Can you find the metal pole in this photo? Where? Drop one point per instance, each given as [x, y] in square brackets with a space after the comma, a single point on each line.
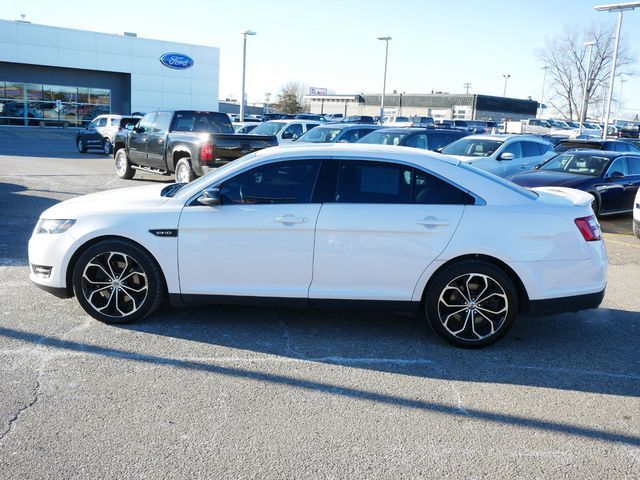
[613, 76]
[585, 104]
[244, 65]
[544, 81]
[619, 99]
[384, 82]
[506, 77]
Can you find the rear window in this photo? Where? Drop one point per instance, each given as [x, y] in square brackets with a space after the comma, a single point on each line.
[202, 122]
[564, 146]
[128, 121]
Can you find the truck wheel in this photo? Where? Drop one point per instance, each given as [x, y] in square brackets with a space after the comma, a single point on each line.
[184, 172]
[82, 147]
[123, 166]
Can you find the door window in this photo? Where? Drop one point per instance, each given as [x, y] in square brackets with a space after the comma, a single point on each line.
[531, 149]
[633, 164]
[418, 141]
[147, 121]
[282, 182]
[102, 122]
[515, 148]
[293, 131]
[163, 120]
[618, 165]
[373, 182]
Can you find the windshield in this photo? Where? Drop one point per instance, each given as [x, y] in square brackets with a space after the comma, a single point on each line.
[555, 124]
[268, 128]
[577, 163]
[201, 122]
[572, 145]
[320, 135]
[472, 147]
[506, 183]
[384, 138]
[573, 124]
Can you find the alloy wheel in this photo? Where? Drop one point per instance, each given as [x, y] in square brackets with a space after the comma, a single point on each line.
[473, 306]
[182, 174]
[114, 284]
[121, 162]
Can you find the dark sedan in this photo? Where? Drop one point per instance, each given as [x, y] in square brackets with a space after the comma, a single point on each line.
[611, 177]
[425, 138]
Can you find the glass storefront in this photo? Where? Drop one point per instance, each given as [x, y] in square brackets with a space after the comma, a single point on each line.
[55, 105]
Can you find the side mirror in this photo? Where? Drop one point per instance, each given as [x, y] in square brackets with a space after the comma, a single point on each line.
[439, 149]
[210, 197]
[615, 175]
[506, 156]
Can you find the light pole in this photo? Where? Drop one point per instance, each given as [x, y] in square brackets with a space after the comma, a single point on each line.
[620, 8]
[544, 82]
[384, 82]
[244, 67]
[585, 104]
[506, 78]
[619, 98]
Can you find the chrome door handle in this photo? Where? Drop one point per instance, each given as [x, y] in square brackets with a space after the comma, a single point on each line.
[290, 219]
[433, 222]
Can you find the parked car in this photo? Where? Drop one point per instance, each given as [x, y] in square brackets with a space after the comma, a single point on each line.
[101, 132]
[594, 144]
[309, 116]
[244, 127]
[613, 178]
[426, 139]
[360, 119]
[627, 128]
[421, 121]
[503, 154]
[275, 116]
[189, 143]
[396, 121]
[470, 126]
[285, 130]
[337, 133]
[325, 225]
[636, 215]
[334, 117]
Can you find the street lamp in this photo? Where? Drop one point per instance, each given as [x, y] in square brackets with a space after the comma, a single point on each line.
[585, 104]
[620, 8]
[506, 78]
[244, 66]
[544, 82]
[384, 82]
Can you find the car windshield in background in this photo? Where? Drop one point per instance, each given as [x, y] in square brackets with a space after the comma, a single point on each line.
[472, 147]
[564, 146]
[320, 135]
[202, 122]
[268, 128]
[555, 124]
[579, 164]
[384, 138]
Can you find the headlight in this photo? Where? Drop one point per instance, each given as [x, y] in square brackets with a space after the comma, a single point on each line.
[54, 226]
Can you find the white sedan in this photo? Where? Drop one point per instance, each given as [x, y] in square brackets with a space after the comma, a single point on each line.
[338, 225]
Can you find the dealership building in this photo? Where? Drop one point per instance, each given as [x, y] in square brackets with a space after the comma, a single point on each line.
[437, 105]
[60, 76]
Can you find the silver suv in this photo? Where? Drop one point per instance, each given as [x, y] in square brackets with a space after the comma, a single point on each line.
[102, 130]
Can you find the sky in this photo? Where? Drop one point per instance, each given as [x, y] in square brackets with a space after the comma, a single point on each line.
[436, 45]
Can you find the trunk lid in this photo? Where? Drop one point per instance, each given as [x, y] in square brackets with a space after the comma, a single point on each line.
[563, 196]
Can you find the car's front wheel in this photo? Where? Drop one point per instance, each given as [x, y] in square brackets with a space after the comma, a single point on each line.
[82, 147]
[471, 304]
[116, 281]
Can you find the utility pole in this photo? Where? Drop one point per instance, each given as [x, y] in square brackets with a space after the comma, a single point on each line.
[467, 86]
[384, 82]
[506, 78]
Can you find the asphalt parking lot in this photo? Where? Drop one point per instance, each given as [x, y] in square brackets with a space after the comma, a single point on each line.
[246, 392]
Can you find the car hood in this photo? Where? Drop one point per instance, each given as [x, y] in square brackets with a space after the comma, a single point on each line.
[118, 200]
[541, 178]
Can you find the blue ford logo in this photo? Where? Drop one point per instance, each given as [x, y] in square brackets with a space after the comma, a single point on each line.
[178, 61]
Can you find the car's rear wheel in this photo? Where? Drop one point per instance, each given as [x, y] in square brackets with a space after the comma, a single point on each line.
[636, 228]
[82, 147]
[116, 281]
[595, 206]
[184, 172]
[123, 166]
[106, 146]
[471, 304]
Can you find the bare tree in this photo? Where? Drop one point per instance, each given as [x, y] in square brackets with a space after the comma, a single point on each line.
[566, 58]
[291, 98]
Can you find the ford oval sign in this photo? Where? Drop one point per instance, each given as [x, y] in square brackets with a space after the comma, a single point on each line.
[178, 61]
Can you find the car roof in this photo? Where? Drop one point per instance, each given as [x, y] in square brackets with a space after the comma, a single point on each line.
[292, 120]
[344, 126]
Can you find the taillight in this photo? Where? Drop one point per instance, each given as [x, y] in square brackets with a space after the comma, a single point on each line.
[207, 152]
[589, 228]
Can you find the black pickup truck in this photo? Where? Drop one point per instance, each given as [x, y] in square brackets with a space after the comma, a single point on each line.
[189, 143]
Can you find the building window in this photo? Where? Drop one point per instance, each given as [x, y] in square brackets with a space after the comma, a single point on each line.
[30, 104]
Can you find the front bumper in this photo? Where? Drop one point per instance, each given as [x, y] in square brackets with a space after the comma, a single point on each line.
[550, 306]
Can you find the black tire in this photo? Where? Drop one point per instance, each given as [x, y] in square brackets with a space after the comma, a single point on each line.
[595, 206]
[107, 148]
[82, 147]
[636, 228]
[184, 172]
[123, 166]
[449, 312]
[116, 281]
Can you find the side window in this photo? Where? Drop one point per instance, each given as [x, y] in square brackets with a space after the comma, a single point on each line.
[115, 122]
[633, 165]
[373, 182]
[431, 190]
[619, 147]
[293, 131]
[618, 165]
[163, 120]
[531, 149]
[147, 121]
[282, 182]
[102, 122]
[351, 136]
[311, 125]
[515, 148]
[418, 141]
[435, 141]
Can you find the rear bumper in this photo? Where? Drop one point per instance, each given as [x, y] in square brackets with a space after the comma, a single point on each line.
[550, 306]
